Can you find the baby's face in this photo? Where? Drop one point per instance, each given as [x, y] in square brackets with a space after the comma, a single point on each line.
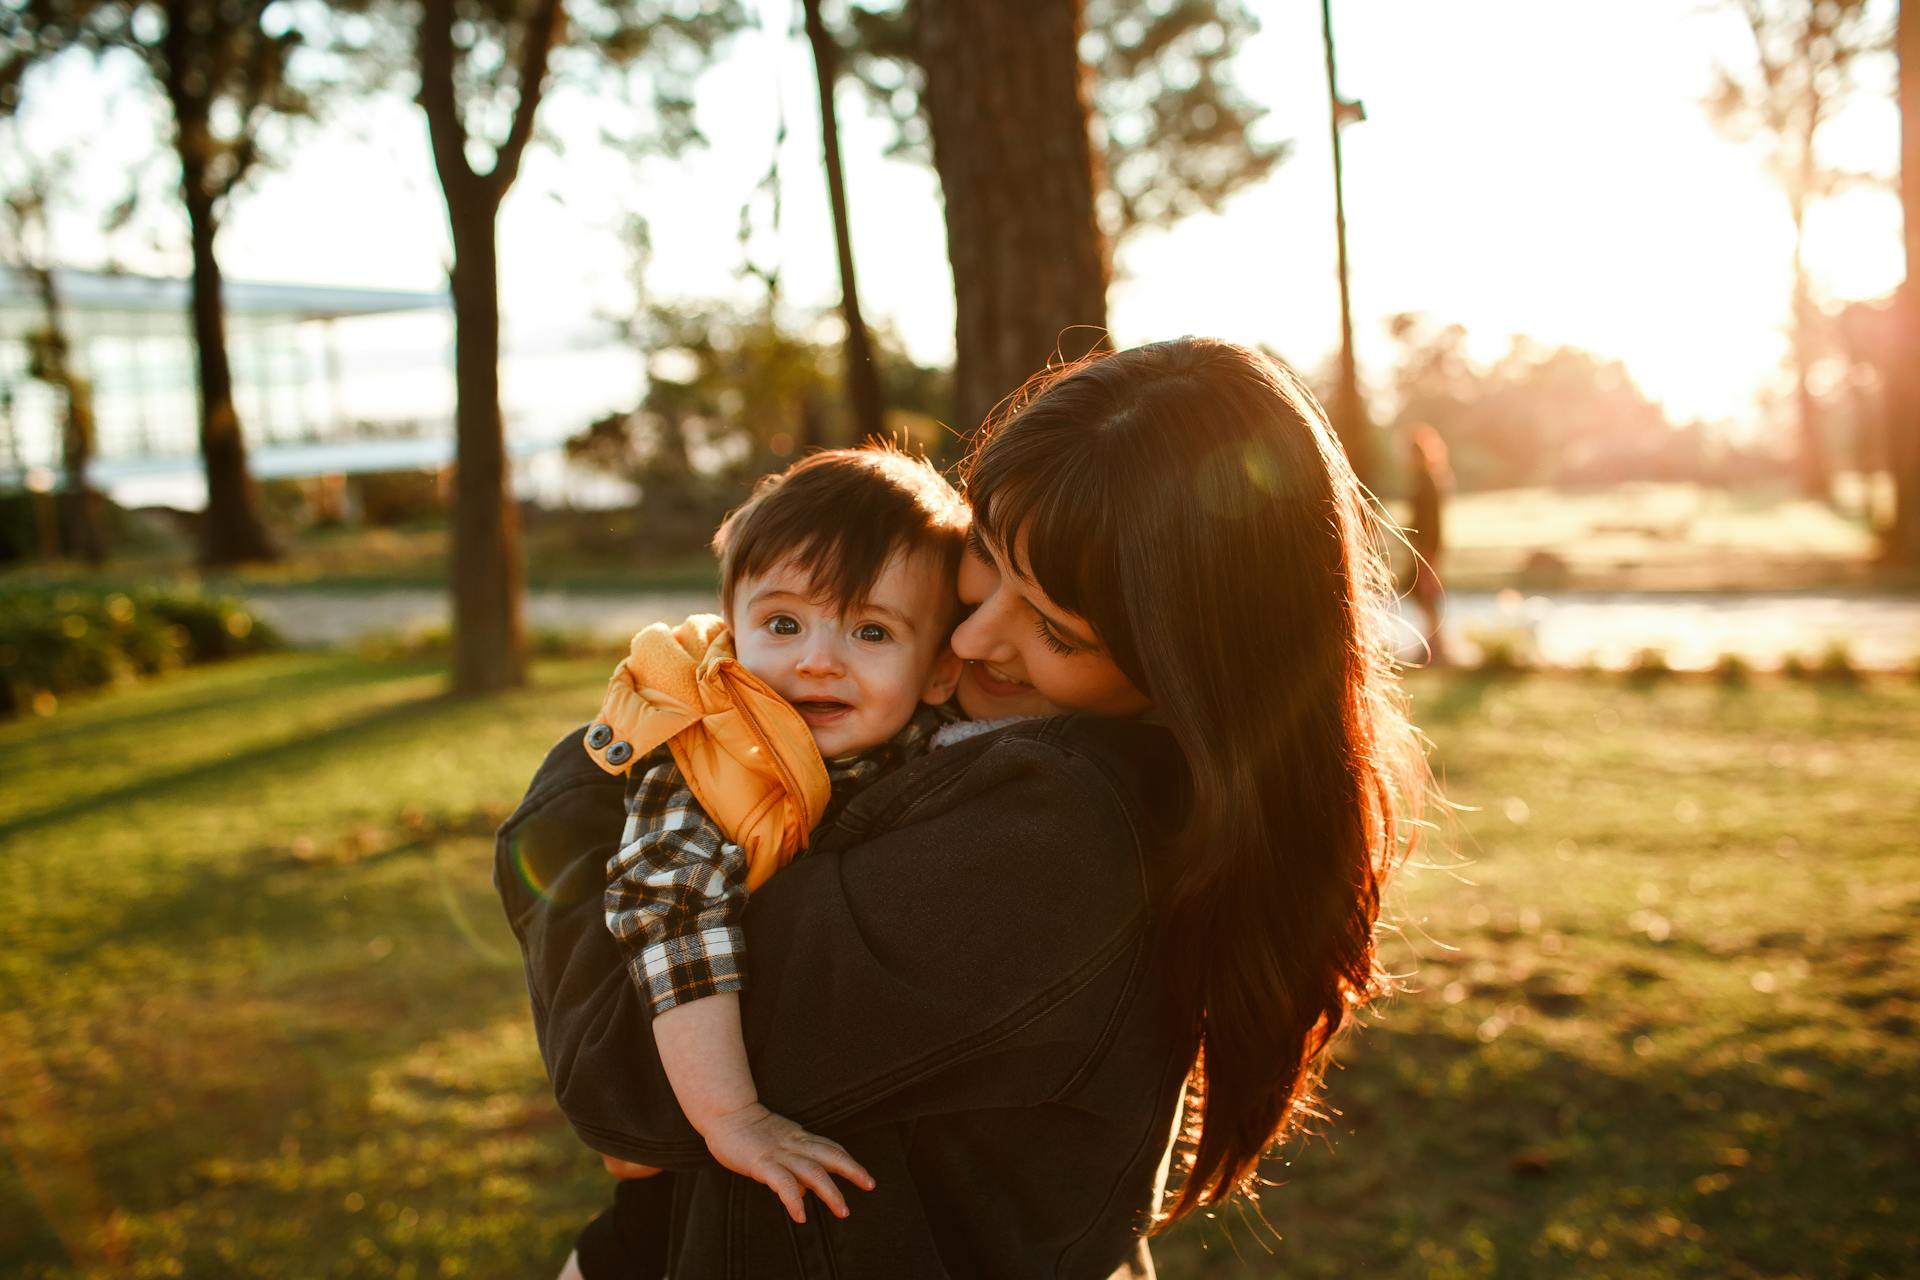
[855, 673]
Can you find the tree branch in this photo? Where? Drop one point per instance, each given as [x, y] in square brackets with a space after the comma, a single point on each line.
[544, 30]
[446, 130]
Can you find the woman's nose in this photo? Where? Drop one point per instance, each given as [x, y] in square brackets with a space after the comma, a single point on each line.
[982, 637]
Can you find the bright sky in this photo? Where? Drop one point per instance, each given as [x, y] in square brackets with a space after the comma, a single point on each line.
[1527, 166]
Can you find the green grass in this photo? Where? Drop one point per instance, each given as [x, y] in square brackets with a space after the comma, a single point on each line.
[259, 1013]
[1660, 1006]
[563, 550]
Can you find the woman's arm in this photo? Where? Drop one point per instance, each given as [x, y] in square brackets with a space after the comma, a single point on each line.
[970, 955]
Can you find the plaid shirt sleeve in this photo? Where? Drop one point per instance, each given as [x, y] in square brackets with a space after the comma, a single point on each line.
[675, 891]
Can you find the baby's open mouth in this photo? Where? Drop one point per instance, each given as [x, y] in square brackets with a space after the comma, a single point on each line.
[814, 710]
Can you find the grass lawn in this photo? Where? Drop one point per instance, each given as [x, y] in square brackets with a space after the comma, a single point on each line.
[1662, 537]
[259, 1013]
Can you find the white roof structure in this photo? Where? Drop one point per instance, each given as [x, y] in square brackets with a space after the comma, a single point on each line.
[105, 297]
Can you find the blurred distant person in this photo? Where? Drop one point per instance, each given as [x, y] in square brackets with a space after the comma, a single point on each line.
[1429, 480]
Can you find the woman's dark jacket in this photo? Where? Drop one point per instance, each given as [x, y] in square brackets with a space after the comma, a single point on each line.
[954, 981]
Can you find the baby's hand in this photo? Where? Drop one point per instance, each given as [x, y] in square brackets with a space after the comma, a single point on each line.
[772, 1149]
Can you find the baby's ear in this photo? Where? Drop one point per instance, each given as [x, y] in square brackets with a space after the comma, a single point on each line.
[942, 679]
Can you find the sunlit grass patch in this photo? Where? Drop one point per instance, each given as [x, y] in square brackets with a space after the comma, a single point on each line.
[1653, 537]
[263, 1016]
[1660, 999]
[272, 1021]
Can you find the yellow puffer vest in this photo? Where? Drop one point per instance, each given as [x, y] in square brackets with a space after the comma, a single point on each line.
[745, 753]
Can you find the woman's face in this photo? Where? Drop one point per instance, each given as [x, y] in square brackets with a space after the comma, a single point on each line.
[1026, 655]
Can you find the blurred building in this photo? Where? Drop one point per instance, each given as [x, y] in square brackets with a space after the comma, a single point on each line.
[326, 380]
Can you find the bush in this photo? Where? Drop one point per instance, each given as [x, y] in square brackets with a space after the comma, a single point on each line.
[390, 498]
[1649, 666]
[1733, 671]
[436, 642]
[126, 530]
[1837, 666]
[59, 640]
[1503, 651]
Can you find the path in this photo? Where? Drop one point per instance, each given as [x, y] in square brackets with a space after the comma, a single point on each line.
[1692, 630]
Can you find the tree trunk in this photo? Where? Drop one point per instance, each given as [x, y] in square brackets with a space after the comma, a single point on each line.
[80, 524]
[1903, 399]
[1815, 477]
[1007, 104]
[1811, 462]
[489, 633]
[81, 530]
[863, 376]
[1349, 410]
[232, 531]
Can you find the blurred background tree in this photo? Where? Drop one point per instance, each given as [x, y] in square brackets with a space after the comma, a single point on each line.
[29, 243]
[1015, 97]
[485, 63]
[1904, 388]
[734, 392]
[1537, 415]
[1806, 70]
[862, 376]
[231, 77]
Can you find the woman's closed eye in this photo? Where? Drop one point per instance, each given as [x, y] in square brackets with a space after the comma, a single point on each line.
[1051, 639]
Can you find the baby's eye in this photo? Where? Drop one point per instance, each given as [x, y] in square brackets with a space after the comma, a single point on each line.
[781, 624]
[872, 633]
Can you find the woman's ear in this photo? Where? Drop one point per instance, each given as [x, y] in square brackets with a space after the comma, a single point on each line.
[942, 679]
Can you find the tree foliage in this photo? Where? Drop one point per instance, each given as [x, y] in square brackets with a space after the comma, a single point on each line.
[1536, 415]
[733, 393]
[1174, 132]
[1808, 56]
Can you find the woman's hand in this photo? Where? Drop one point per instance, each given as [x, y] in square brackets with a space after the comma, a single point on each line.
[773, 1150]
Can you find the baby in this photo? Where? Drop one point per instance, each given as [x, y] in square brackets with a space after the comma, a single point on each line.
[837, 582]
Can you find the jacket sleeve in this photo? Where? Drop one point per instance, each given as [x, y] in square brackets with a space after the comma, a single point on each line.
[675, 891]
[971, 954]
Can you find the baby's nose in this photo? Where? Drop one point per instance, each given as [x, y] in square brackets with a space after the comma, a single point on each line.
[820, 657]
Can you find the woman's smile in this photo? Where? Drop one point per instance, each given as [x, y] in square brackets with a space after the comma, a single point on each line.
[1016, 662]
[996, 682]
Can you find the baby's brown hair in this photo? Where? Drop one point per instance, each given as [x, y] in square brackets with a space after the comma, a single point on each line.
[842, 514]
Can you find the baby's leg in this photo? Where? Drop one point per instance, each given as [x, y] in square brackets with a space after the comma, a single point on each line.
[628, 1240]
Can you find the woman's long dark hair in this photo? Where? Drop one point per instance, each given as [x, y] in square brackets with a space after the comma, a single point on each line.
[1190, 502]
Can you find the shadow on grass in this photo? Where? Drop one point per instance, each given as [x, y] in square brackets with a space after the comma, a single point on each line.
[315, 674]
[1555, 1165]
[326, 1041]
[157, 783]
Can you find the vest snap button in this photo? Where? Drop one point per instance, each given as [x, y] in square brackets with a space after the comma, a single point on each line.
[599, 736]
[619, 753]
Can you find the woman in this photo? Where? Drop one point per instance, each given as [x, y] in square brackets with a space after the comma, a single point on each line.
[994, 976]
